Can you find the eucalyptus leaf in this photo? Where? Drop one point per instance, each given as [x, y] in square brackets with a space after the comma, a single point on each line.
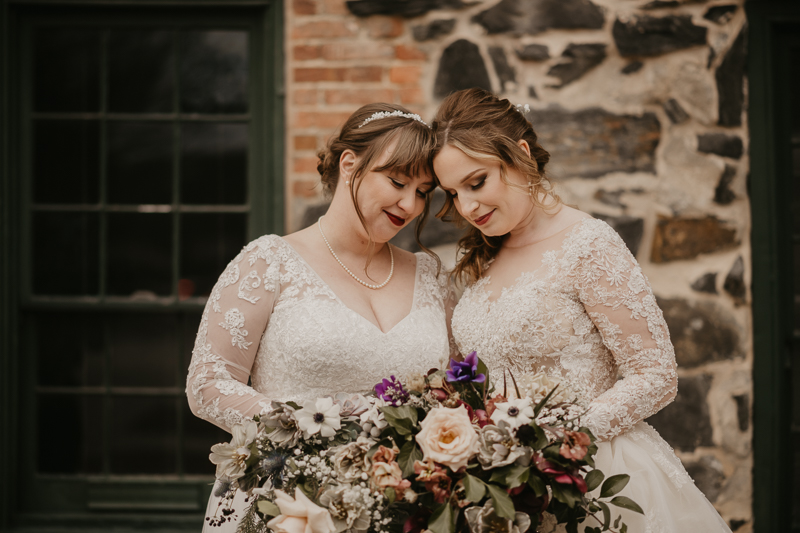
[503, 505]
[614, 484]
[441, 521]
[475, 488]
[593, 479]
[267, 508]
[403, 419]
[616, 522]
[624, 528]
[606, 515]
[626, 503]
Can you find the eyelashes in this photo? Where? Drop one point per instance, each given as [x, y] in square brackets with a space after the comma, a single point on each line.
[401, 185]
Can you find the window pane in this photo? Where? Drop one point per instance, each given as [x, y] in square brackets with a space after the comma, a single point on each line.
[140, 71]
[199, 437]
[208, 243]
[213, 71]
[139, 254]
[139, 163]
[66, 69]
[213, 163]
[65, 253]
[144, 350]
[70, 434]
[66, 163]
[144, 436]
[69, 349]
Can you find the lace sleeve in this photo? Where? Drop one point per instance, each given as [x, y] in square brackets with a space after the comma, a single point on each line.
[234, 319]
[620, 302]
[450, 300]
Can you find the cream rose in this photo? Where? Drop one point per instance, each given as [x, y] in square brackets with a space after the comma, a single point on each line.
[300, 515]
[448, 437]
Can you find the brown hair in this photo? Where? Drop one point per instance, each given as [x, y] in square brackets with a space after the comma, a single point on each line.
[368, 141]
[484, 127]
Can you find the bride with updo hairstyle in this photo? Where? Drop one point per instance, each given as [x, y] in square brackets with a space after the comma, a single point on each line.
[551, 289]
[333, 307]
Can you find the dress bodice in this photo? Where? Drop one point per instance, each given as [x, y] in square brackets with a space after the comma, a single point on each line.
[587, 316]
[311, 344]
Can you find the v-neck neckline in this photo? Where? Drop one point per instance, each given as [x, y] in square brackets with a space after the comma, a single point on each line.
[481, 284]
[341, 302]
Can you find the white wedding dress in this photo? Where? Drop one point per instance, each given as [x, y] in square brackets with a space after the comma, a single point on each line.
[588, 316]
[272, 320]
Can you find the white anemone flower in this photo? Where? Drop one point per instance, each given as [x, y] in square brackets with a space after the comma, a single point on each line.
[231, 458]
[515, 413]
[321, 416]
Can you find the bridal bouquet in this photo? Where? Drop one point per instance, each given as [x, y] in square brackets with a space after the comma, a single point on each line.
[439, 453]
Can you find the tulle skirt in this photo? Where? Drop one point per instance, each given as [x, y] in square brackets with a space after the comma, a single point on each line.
[659, 484]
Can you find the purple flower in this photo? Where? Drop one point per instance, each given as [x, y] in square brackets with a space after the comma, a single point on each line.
[391, 391]
[465, 372]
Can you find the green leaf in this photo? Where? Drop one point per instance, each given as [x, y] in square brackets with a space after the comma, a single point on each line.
[626, 503]
[475, 488]
[267, 508]
[565, 494]
[409, 453]
[624, 528]
[606, 515]
[537, 484]
[441, 521]
[541, 404]
[510, 476]
[390, 495]
[614, 484]
[593, 479]
[403, 419]
[294, 405]
[616, 522]
[572, 527]
[503, 505]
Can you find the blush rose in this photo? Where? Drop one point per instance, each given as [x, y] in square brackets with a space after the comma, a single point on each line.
[448, 437]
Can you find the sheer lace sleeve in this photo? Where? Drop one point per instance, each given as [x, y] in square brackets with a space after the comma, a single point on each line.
[234, 319]
[620, 302]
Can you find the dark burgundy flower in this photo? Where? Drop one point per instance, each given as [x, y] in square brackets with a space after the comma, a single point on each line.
[560, 474]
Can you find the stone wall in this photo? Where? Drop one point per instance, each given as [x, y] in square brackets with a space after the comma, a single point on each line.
[641, 104]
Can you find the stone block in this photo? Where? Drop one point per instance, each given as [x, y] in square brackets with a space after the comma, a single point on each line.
[433, 30]
[723, 195]
[533, 52]
[675, 112]
[592, 142]
[720, 14]
[730, 82]
[660, 4]
[743, 411]
[685, 238]
[577, 60]
[629, 228]
[403, 8]
[720, 144]
[505, 72]
[706, 283]
[701, 332]
[461, 67]
[519, 17]
[685, 423]
[652, 36]
[734, 282]
[708, 475]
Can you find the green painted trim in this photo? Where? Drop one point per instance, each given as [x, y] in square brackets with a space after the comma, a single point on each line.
[771, 258]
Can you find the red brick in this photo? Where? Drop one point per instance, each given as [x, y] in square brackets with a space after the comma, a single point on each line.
[352, 50]
[318, 119]
[384, 27]
[305, 142]
[335, 7]
[411, 95]
[304, 7]
[358, 96]
[323, 29]
[306, 188]
[304, 52]
[305, 165]
[409, 53]
[319, 74]
[305, 96]
[405, 75]
[365, 74]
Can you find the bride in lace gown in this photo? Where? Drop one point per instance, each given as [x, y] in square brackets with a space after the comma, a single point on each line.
[551, 288]
[334, 307]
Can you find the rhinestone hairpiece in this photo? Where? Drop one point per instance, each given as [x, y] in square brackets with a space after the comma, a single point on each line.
[524, 109]
[396, 113]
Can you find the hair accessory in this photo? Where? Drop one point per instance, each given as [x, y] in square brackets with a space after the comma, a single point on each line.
[524, 109]
[364, 283]
[396, 113]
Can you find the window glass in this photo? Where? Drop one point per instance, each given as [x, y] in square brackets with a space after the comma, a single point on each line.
[140, 162]
[209, 242]
[213, 163]
[66, 69]
[73, 426]
[213, 71]
[65, 253]
[141, 71]
[66, 161]
[139, 255]
[144, 435]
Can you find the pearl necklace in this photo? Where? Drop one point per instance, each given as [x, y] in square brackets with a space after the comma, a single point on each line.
[364, 283]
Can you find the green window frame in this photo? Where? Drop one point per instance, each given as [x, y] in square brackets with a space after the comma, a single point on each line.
[104, 499]
[774, 26]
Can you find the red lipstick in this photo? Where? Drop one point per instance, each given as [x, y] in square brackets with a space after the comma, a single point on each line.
[480, 221]
[397, 221]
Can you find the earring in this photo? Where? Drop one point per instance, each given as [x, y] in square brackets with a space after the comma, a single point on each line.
[347, 182]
